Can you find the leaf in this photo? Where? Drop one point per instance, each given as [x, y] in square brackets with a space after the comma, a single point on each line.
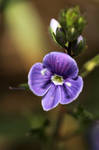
[24, 85]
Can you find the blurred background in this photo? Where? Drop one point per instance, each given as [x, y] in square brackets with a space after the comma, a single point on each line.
[24, 40]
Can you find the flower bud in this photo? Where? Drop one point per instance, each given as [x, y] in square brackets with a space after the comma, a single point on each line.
[72, 22]
[54, 24]
[57, 32]
[81, 24]
[78, 45]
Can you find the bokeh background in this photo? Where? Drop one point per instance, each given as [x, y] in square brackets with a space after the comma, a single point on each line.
[24, 40]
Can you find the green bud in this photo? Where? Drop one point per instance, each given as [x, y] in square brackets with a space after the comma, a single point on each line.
[62, 18]
[72, 34]
[72, 22]
[67, 31]
[72, 16]
[78, 45]
[81, 24]
[60, 37]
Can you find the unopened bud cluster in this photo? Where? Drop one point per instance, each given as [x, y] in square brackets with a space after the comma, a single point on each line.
[67, 32]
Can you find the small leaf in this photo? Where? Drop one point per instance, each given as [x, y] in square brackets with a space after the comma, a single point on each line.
[24, 85]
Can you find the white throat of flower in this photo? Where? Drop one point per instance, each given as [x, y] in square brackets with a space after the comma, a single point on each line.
[57, 80]
[54, 24]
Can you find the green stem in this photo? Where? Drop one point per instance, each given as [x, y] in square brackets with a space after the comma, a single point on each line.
[90, 66]
[55, 135]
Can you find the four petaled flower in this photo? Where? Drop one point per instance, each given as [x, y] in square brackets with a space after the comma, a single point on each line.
[56, 79]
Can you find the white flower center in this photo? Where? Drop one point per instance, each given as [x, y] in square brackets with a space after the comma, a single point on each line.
[57, 80]
[68, 84]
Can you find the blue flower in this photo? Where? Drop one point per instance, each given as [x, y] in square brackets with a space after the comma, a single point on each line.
[56, 79]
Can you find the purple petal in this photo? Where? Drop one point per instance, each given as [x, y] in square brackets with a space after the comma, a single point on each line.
[71, 90]
[39, 79]
[52, 98]
[61, 64]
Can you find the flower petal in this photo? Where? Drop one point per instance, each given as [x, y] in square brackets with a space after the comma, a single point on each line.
[71, 90]
[39, 79]
[52, 98]
[61, 64]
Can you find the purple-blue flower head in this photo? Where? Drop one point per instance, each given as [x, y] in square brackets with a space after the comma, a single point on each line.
[56, 79]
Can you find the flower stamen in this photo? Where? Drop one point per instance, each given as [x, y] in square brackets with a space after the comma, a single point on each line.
[57, 80]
